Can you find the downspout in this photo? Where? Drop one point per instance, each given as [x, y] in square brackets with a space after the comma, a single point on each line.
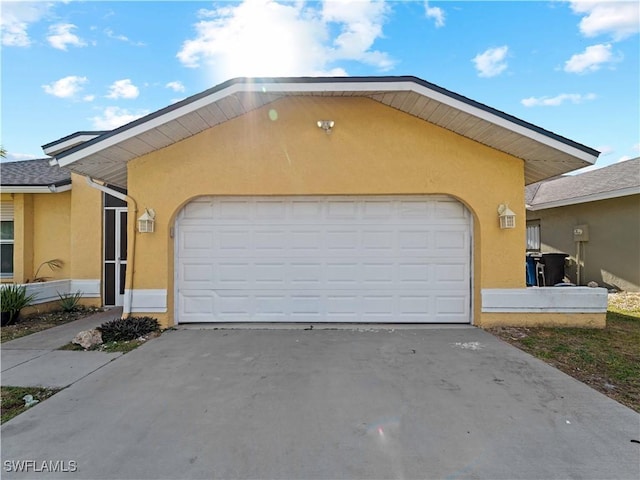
[131, 235]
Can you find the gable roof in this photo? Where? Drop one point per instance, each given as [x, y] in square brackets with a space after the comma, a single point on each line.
[617, 180]
[545, 153]
[33, 176]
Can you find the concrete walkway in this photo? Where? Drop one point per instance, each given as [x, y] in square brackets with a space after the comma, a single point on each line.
[35, 361]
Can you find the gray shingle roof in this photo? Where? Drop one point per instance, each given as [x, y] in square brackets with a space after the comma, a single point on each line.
[33, 173]
[569, 189]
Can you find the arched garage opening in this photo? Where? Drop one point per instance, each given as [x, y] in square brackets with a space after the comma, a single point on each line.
[312, 259]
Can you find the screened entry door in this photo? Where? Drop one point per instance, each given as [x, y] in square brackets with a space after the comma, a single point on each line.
[115, 254]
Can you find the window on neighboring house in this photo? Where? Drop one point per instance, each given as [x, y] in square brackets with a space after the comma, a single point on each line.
[6, 249]
[533, 236]
[6, 240]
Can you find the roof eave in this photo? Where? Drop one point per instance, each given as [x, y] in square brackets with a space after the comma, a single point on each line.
[583, 155]
[565, 202]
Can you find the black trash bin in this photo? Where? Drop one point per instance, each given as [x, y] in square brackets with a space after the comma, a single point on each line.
[553, 268]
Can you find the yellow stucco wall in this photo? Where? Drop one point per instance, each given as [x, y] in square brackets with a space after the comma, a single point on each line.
[51, 233]
[582, 320]
[86, 228]
[65, 226]
[22, 237]
[374, 149]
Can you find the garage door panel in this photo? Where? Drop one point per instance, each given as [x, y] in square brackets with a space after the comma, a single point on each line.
[306, 275]
[451, 240]
[324, 259]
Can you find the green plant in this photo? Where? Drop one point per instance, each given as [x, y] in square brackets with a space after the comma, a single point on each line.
[53, 264]
[13, 298]
[69, 301]
[122, 330]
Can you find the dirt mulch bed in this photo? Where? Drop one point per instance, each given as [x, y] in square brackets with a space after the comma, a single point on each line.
[36, 322]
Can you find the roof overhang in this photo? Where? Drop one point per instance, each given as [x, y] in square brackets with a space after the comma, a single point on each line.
[35, 188]
[70, 141]
[594, 197]
[545, 154]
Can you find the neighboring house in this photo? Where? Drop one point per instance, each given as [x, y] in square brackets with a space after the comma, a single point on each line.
[593, 217]
[370, 199]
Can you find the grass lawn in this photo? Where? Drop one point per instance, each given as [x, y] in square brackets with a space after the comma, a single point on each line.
[607, 360]
[13, 402]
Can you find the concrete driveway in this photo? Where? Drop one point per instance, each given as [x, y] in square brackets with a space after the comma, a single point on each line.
[325, 404]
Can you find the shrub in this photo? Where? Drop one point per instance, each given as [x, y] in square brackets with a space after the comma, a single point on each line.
[69, 301]
[14, 298]
[122, 330]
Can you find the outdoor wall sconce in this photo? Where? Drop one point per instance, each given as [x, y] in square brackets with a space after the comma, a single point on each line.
[506, 216]
[326, 125]
[147, 221]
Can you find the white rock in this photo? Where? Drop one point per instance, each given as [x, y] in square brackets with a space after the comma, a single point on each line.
[88, 338]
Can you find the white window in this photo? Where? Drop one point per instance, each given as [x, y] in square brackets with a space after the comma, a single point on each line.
[6, 240]
[533, 236]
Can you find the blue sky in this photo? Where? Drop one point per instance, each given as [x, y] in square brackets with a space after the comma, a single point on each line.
[571, 67]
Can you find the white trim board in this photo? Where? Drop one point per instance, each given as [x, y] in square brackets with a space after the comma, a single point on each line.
[48, 291]
[545, 300]
[146, 300]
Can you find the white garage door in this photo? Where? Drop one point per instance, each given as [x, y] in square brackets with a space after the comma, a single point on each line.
[400, 259]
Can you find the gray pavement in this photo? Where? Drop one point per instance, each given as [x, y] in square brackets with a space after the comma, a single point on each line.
[35, 361]
[325, 404]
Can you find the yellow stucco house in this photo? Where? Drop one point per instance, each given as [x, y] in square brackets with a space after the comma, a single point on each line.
[310, 200]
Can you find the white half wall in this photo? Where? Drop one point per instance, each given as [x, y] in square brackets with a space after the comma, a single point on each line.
[545, 300]
[146, 300]
[48, 291]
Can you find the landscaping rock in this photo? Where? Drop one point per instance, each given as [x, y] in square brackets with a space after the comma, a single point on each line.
[88, 338]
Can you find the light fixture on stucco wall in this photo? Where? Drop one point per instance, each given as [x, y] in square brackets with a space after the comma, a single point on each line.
[506, 216]
[147, 221]
[326, 125]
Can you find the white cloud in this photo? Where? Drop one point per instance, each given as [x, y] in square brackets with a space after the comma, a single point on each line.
[636, 147]
[19, 157]
[491, 62]
[122, 38]
[268, 38]
[557, 100]
[619, 19]
[591, 59]
[123, 89]
[436, 13]
[60, 36]
[623, 158]
[175, 86]
[605, 150]
[114, 117]
[66, 87]
[16, 18]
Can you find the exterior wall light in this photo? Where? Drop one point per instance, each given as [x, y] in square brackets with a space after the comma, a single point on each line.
[147, 221]
[326, 125]
[506, 216]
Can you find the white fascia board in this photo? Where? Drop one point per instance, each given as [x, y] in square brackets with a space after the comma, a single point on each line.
[624, 192]
[67, 144]
[35, 189]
